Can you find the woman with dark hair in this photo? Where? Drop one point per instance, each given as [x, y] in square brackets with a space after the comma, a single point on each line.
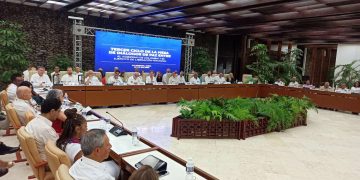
[35, 96]
[356, 87]
[75, 127]
[159, 77]
[146, 172]
[103, 78]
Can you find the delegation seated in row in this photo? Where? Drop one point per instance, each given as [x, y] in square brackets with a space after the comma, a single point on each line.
[343, 88]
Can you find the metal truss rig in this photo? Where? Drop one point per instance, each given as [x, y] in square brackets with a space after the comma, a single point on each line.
[80, 30]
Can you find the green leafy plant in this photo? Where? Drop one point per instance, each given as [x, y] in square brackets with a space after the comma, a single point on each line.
[264, 67]
[13, 49]
[281, 111]
[201, 60]
[61, 60]
[288, 66]
[347, 73]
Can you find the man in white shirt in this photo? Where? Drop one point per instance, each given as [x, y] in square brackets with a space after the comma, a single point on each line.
[96, 147]
[195, 79]
[55, 76]
[174, 79]
[293, 82]
[69, 78]
[279, 82]
[22, 103]
[209, 79]
[134, 79]
[115, 79]
[16, 80]
[220, 79]
[151, 78]
[41, 126]
[91, 79]
[40, 79]
[181, 78]
[26, 73]
[78, 72]
[166, 76]
[343, 89]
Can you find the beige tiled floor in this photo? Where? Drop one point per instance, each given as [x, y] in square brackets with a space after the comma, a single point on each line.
[328, 148]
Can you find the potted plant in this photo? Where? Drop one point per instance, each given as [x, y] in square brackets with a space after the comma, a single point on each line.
[13, 49]
[347, 73]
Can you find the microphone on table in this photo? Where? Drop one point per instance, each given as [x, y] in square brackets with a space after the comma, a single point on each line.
[116, 130]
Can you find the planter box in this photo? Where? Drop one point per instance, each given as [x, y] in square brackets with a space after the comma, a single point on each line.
[195, 128]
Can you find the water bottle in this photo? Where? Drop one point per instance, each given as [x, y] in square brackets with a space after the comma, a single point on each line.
[190, 170]
[134, 134]
[66, 99]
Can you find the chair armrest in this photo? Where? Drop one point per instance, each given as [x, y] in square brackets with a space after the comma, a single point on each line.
[40, 164]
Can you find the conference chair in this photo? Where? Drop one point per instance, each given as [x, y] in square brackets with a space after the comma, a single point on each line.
[29, 116]
[4, 100]
[108, 74]
[63, 173]
[38, 166]
[55, 156]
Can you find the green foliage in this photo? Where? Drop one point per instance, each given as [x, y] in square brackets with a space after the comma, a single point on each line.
[347, 73]
[288, 67]
[280, 110]
[61, 60]
[268, 70]
[201, 60]
[264, 67]
[13, 49]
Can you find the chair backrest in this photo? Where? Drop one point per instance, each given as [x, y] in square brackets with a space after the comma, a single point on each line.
[55, 156]
[4, 98]
[28, 146]
[63, 173]
[29, 116]
[108, 74]
[12, 116]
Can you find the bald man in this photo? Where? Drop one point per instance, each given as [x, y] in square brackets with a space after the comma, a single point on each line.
[22, 103]
[135, 79]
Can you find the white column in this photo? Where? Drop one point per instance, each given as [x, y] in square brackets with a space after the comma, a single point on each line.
[216, 51]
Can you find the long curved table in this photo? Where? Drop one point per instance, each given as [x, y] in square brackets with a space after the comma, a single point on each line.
[152, 94]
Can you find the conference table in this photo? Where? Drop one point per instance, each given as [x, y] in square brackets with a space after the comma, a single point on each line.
[126, 154]
[154, 94]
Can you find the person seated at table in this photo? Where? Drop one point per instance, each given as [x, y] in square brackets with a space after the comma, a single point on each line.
[75, 127]
[209, 79]
[69, 78]
[195, 79]
[91, 79]
[279, 82]
[40, 127]
[220, 79]
[166, 76]
[151, 79]
[26, 73]
[159, 77]
[355, 88]
[293, 82]
[343, 89]
[145, 172]
[36, 98]
[231, 78]
[115, 79]
[122, 76]
[58, 123]
[16, 80]
[181, 78]
[326, 87]
[78, 71]
[174, 79]
[95, 147]
[102, 76]
[308, 85]
[22, 103]
[134, 79]
[55, 76]
[40, 79]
